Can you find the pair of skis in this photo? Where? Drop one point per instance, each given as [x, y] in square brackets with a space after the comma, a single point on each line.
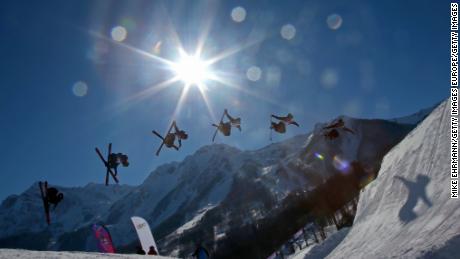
[107, 165]
[220, 123]
[173, 124]
[46, 205]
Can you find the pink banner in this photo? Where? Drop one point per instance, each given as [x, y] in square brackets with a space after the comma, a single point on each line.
[104, 240]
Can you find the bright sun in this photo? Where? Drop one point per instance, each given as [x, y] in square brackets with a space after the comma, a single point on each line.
[192, 70]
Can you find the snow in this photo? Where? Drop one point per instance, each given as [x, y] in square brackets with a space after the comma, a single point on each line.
[190, 224]
[18, 253]
[83, 203]
[323, 249]
[407, 211]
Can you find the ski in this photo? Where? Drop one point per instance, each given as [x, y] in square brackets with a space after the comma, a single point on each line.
[107, 166]
[45, 202]
[162, 142]
[217, 129]
[162, 138]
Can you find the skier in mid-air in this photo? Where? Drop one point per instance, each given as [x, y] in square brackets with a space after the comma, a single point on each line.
[170, 138]
[289, 119]
[332, 129]
[115, 159]
[339, 124]
[280, 126]
[226, 127]
[53, 196]
[49, 196]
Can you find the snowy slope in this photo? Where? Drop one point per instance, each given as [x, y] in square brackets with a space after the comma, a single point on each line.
[321, 250]
[16, 253]
[407, 211]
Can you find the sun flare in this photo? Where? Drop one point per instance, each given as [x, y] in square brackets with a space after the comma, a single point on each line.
[192, 70]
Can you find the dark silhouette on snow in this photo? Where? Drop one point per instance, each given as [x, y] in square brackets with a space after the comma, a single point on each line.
[140, 251]
[152, 251]
[417, 190]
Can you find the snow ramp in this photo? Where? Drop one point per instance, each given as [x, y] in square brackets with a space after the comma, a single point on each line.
[407, 211]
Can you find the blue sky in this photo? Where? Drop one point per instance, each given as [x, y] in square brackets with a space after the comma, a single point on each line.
[386, 59]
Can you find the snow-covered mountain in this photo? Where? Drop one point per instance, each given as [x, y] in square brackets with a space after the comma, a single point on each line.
[202, 197]
[407, 211]
[22, 216]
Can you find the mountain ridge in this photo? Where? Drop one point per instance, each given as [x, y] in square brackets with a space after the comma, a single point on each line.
[219, 177]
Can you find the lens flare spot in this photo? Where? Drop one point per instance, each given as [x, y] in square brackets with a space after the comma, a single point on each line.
[238, 14]
[254, 73]
[288, 32]
[340, 164]
[80, 89]
[334, 21]
[319, 156]
[329, 78]
[157, 48]
[118, 33]
[273, 76]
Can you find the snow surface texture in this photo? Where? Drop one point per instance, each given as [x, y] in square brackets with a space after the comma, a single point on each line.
[323, 249]
[407, 211]
[16, 253]
[193, 222]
